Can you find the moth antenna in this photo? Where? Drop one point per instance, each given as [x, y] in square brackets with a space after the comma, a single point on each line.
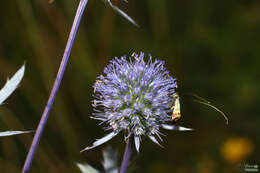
[208, 104]
[198, 97]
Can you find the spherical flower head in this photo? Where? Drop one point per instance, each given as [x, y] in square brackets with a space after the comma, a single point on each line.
[134, 96]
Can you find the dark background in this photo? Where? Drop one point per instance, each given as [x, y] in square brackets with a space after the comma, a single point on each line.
[211, 47]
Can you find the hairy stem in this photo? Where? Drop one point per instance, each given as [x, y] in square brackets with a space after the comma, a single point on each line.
[127, 154]
[65, 58]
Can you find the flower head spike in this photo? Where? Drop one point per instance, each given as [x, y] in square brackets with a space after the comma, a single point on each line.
[134, 97]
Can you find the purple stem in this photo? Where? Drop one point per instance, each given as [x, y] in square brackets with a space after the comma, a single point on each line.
[127, 154]
[65, 58]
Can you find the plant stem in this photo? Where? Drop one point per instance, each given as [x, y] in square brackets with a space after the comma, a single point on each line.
[127, 154]
[65, 58]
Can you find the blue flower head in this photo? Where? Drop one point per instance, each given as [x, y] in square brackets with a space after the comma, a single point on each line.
[135, 97]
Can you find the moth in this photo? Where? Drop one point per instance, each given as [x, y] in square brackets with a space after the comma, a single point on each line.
[176, 113]
[176, 108]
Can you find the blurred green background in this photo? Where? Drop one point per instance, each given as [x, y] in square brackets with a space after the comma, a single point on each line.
[211, 47]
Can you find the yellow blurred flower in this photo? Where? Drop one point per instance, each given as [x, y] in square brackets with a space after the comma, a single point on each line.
[236, 149]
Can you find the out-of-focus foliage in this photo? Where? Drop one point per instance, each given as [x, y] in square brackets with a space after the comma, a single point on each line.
[109, 163]
[212, 47]
[85, 168]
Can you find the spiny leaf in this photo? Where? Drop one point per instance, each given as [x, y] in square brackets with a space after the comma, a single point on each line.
[101, 141]
[11, 133]
[122, 13]
[177, 128]
[11, 84]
